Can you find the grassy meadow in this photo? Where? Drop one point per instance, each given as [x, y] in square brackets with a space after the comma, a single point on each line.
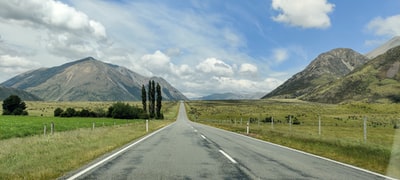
[26, 153]
[342, 130]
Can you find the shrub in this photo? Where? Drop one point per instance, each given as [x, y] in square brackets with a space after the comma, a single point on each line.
[58, 112]
[120, 110]
[70, 112]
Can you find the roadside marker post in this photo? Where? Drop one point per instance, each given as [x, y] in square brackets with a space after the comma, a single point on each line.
[247, 127]
[147, 125]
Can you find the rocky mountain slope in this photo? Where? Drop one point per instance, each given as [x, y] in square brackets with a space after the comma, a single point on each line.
[376, 81]
[394, 42]
[88, 80]
[325, 69]
[231, 96]
[25, 96]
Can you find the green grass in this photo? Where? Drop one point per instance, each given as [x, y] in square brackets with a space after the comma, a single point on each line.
[41, 114]
[26, 153]
[341, 137]
[52, 156]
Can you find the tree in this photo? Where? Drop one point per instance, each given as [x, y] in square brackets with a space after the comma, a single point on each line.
[14, 106]
[144, 98]
[159, 102]
[151, 95]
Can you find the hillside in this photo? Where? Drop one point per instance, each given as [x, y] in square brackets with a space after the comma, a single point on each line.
[231, 96]
[88, 80]
[25, 96]
[394, 42]
[326, 68]
[377, 81]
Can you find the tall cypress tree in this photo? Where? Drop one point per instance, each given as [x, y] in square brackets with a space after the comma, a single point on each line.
[151, 112]
[159, 103]
[153, 99]
[144, 99]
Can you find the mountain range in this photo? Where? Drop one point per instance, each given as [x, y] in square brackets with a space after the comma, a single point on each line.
[231, 96]
[345, 75]
[88, 79]
[7, 91]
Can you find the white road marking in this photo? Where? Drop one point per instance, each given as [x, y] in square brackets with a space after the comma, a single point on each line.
[306, 153]
[203, 136]
[227, 156]
[195, 130]
[80, 173]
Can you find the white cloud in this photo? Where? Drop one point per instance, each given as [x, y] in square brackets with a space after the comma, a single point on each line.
[304, 13]
[280, 55]
[15, 64]
[247, 68]
[57, 27]
[389, 26]
[215, 67]
[50, 14]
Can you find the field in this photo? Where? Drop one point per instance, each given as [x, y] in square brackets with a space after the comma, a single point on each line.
[342, 128]
[26, 153]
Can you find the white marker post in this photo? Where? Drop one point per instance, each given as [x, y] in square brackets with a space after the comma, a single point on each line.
[147, 125]
[247, 127]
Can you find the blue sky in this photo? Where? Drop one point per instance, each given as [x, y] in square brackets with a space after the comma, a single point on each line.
[199, 46]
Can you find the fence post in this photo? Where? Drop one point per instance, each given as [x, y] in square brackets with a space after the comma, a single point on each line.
[44, 130]
[319, 124]
[52, 128]
[290, 122]
[272, 122]
[365, 129]
[93, 125]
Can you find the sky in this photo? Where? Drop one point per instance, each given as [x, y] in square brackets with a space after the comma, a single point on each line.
[199, 46]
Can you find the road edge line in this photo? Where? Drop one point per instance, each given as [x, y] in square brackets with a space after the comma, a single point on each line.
[81, 172]
[227, 156]
[306, 153]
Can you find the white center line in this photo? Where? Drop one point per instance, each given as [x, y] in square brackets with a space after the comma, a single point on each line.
[203, 136]
[227, 156]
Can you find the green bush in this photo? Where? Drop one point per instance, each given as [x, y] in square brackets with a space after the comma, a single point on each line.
[120, 110]
[58, 112]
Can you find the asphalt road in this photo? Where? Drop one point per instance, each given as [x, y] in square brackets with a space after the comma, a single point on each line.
[187, 150]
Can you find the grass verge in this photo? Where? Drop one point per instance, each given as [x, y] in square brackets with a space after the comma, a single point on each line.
[342, 128]
[49, 157]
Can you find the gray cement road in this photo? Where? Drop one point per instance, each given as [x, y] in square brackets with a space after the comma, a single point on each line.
[187, 150]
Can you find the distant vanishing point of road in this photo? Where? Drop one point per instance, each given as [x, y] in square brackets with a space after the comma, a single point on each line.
[188, 150]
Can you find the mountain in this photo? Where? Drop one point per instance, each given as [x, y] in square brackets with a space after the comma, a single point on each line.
[25, 96]
[377, 81]
[88, 80]
[326, 68]
[231, 96]
[395, 41]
